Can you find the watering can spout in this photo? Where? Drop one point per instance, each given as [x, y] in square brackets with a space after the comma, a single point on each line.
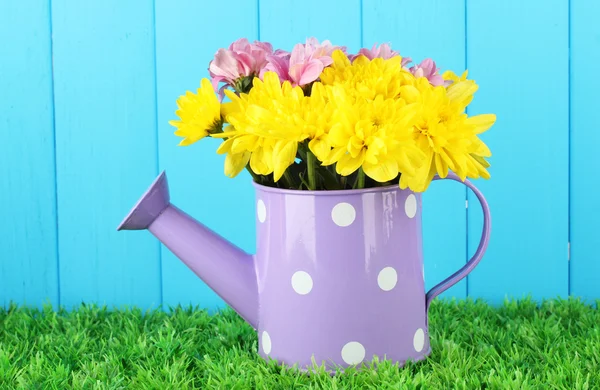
[225, 268]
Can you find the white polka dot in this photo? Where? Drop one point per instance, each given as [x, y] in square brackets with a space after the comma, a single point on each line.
[261, 210]
[353, 352]
[343, 214]
[387, 278]
[266, 343]
[419, 340]
[410, 206]
[302, 282]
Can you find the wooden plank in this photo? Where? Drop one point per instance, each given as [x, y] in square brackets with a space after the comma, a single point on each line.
[435, 29]
[585, 137]
[188, 33]
[28, 263]
[104, 78]
[281, 25]
[521, 65]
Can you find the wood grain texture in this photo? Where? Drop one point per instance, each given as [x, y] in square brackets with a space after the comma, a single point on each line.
[415, 33]
[528, 191]
[188, 33]
[287, 22]
[585, 138]
[28, 256]
[106, 149]
[79, 147]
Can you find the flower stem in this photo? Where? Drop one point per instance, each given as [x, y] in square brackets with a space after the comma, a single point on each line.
[310, 165]
[254, 175]
[289, 178]
[360, 179]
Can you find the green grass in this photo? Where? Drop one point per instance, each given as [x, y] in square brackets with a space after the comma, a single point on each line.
[521, 345]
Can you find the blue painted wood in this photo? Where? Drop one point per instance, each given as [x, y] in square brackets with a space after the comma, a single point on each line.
[188, 33]
[28, 261]
[106, 149]
[107, 146]
[415, 33]
[286, 22]
[521, 65]
[585, 138]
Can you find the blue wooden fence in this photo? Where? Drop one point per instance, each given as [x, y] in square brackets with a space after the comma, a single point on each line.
[87, 90]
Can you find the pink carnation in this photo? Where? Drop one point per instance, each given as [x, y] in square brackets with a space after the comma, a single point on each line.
[428, 70]
[242, 59]
[304, 64]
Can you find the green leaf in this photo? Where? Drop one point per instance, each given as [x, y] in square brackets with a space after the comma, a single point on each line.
[302, 151]
[329, 180]
[303, 181]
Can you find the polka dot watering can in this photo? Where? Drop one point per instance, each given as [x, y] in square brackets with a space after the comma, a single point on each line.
[337, 278]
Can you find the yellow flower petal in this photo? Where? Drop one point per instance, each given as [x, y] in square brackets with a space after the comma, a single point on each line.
[462, 91]
[441, 166]
[320, 148]
[422, 177]
[340, 60]
[338, 135]
[447, 160]
[284, 155]
[199, 114]
[481, 122]
[482, 161]
[228, 108]
[334, 156]
[246, 142]
[348, 164]
[259, 163]
[225, 147]
[482, 149]
[235, 163]
[409, 93]
[385, 170]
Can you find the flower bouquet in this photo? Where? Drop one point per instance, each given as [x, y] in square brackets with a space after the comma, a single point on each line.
[320, 118]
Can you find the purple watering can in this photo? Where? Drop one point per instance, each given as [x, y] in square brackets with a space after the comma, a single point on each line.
[337, 277]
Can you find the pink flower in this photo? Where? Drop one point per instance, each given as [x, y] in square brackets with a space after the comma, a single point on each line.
[383, 51]
[242, 59]
[321, 51]
[428, 70]
[281, 53]
[304, 64]
[279, 63]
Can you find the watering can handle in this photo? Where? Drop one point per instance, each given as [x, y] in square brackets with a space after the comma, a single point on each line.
[472, 263]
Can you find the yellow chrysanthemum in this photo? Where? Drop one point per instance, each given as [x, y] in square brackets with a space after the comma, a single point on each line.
[242, 147]
[235, 160]
[373, 134]
[367, 78]
[446, 135]
[272, 119]
[451, 76]
[200, 114]
[370, 115]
